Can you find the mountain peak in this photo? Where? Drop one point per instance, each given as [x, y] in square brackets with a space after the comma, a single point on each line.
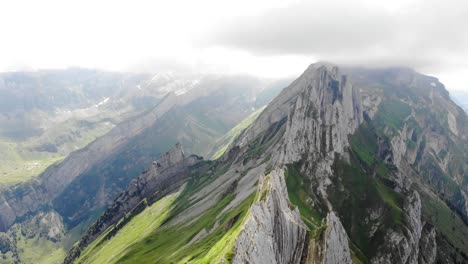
[309, 171]
[329, 66]
[322, 107]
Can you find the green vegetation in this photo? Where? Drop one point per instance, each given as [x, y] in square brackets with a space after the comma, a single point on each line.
[445, 220]
[174, 243]
[23, 159]
[362, 192]
[30, 243]
[141, 226]
[17, 164]
[364, 144]
[299, 194]
[392, 114]
[156, 236]
[263, 141]
[368, 185]
[39, 250]
[227, 139]
[133, 158]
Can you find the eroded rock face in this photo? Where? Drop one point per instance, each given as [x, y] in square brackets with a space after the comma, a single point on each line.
[427, 245]
[403, 245]
[336, 242]
[41, 228]
[273, 233]
[307, 127]
[166, 175]
[332, 246]
[321, 109]
[320, 120]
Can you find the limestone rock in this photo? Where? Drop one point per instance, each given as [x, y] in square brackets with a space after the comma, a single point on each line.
[273, 233]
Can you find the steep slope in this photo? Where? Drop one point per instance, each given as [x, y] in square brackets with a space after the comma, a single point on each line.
[224, 142]
[80, 187]
[45, 115]
[332, 171]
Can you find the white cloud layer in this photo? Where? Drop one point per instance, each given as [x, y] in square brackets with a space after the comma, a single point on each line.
[267, 38]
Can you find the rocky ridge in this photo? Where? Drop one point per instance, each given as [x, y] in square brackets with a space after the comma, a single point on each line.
[167, 174]
[330, 177]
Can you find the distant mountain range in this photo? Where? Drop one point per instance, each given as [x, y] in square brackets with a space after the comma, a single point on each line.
[343, 165]
[101, 142]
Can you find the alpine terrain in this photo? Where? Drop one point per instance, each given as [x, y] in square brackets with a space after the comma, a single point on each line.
[345, 165]
[100, 131]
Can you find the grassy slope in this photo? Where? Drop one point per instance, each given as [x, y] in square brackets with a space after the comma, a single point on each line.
[39, 250]
[224, 143]
[17, 164]
[354, 190]
[152, 236]
[448, 223]
[21, 161]
[391, 115]
[299, 194]
[141, 226]
[170, 243]
[33, 248]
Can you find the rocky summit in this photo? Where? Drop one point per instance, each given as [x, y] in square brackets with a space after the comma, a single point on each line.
[350, 165]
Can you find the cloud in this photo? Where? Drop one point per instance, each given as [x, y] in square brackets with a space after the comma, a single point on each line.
[428, 35]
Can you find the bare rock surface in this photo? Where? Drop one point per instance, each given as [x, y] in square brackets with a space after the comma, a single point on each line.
[273, 233]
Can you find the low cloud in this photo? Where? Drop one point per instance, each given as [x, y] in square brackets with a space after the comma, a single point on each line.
[427, 35]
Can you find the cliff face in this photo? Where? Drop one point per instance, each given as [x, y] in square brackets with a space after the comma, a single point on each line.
[321, 108]
[330, 120]
[272, 233]
[321, 118]
[332, 171]
[332, 246]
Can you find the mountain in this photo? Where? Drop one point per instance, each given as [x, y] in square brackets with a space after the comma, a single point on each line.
[350, 165]
[45, 115]
[75, 191]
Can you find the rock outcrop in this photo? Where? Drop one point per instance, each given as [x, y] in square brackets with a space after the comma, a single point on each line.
[403, 246]
[273, 233]
[321, 118]
[322, 108]
[166, 175]
[427, 245]
[354, 188]
[332, 246]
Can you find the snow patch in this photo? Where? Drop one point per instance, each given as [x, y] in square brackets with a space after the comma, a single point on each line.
[184, 87]
[433, 84]
[102, 102]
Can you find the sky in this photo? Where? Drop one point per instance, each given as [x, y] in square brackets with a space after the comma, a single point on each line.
[266, 38]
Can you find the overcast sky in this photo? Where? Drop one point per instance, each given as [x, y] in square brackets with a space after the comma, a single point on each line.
[269, 38]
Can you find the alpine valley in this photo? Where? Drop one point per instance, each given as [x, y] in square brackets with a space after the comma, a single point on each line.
[344, 165]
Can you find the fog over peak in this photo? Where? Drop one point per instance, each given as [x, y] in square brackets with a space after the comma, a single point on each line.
[275, 38]
[426, 35]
